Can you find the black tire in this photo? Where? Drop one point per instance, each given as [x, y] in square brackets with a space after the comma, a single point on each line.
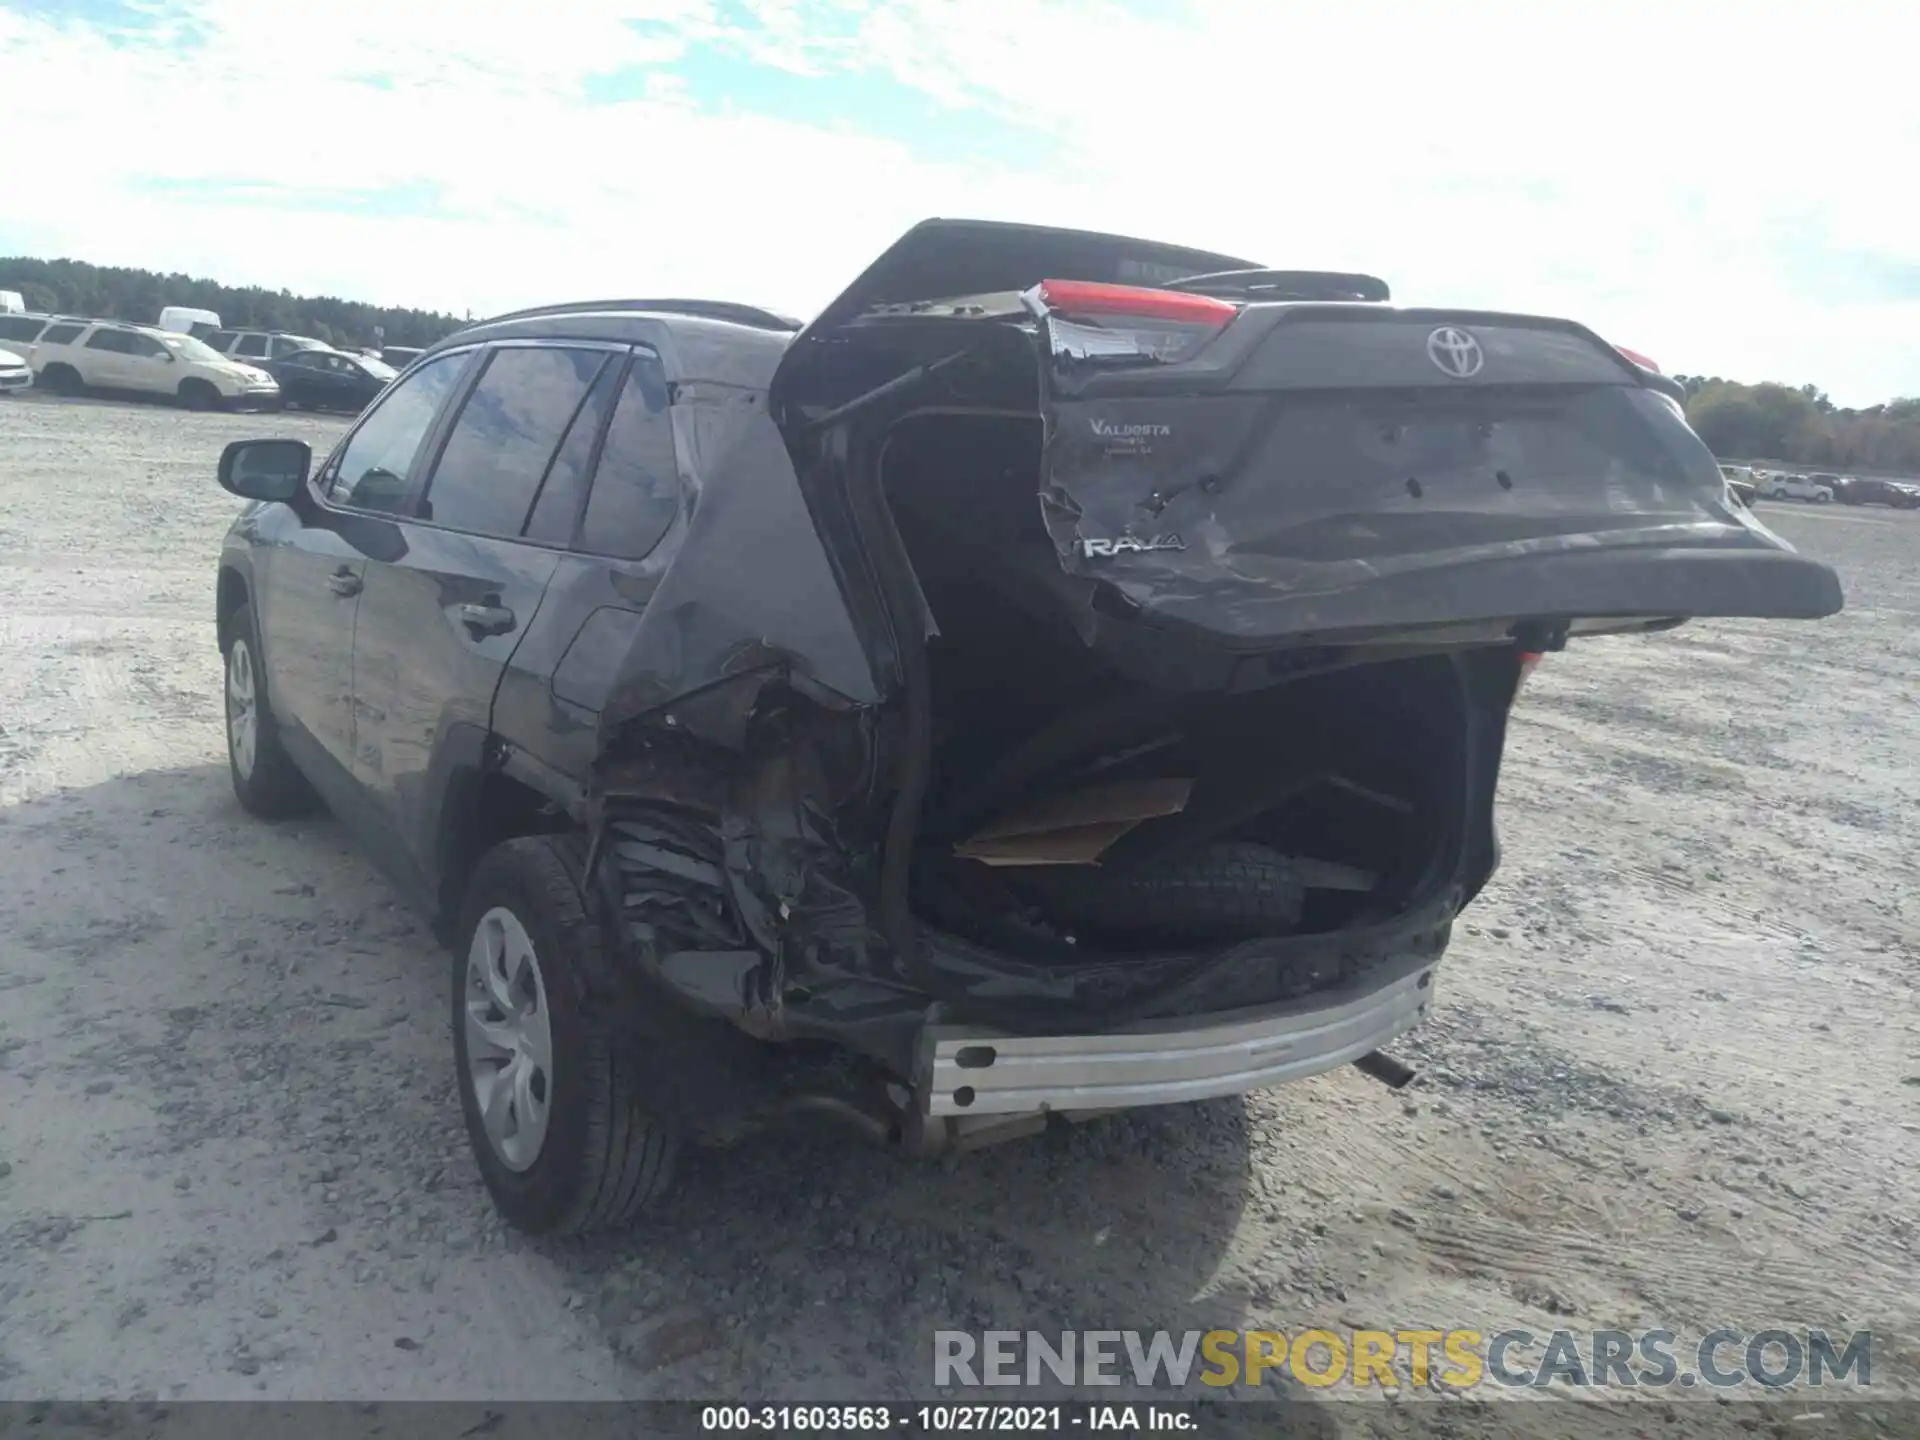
[270, 786]
[1221, 892]
[603, 1158]
[198, 394]
[62, 380]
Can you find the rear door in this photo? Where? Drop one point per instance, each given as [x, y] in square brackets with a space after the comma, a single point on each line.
[440, 620]
[103, 359]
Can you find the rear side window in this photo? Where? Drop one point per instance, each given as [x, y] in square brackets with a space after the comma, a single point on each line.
[636, 490]
[251, 345]
[117, 341]
[60, 334]
[221, 339]
[20, 327]
[508, 433]
[373, 468]
[558, 504]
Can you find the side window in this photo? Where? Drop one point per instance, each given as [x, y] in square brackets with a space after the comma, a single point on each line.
[60, 334]
[506, 436]
[372, 471]
[636, 490]
[19, 327]
[113, 340]
[558, 504]
[251, 345]
[221, 340]
[145, 346]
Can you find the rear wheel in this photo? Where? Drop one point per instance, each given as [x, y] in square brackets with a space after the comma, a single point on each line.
[63, 380]
[198, 394]
[265, 779]
[551, 1100]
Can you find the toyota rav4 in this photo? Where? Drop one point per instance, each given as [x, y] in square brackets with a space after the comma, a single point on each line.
[1070, 673]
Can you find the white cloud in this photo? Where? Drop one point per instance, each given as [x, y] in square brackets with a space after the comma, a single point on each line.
[1640, 166]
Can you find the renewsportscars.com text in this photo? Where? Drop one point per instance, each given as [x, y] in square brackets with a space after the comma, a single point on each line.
[1392, 1359]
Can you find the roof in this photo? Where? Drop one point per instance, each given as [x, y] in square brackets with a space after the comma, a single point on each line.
[710, 339]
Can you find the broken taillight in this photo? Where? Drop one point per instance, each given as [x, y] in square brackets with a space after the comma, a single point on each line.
[1096, 323]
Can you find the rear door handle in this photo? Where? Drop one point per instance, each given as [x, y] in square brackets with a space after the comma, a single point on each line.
[484, 620]
[344, 582]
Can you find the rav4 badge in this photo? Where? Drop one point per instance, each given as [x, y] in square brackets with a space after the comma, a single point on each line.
[1127, 545]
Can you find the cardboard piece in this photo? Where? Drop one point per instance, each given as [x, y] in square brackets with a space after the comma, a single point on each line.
[1074, 828]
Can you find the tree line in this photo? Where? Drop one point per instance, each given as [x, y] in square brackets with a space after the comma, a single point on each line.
[115, 292]
[1799, 425]
[1793, 425]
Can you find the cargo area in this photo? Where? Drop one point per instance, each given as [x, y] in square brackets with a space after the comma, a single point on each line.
[1073, 809]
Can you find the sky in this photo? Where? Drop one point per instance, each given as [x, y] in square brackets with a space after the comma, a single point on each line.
[1727, 189]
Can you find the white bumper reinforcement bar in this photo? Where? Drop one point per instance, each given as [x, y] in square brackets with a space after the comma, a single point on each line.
[967, 1072]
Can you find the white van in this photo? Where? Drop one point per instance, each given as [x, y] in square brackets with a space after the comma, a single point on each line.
[12, 302]
[185, 320]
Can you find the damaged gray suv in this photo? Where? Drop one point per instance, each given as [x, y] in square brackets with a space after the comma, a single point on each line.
[1069, 674]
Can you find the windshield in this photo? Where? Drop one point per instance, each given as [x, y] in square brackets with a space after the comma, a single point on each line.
[188, 348]
[378, 369]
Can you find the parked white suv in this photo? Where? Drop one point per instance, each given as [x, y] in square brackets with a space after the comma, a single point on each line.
[253, 346]
[1781, 486]
[71, 358]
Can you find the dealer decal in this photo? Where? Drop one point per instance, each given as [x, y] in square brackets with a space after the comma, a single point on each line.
[1119, 438]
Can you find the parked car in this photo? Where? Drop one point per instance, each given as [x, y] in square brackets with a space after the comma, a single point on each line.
[254, 346]
[1741, 482]
[1862, 490]
[73, 357]
[746, 706]
[186, 320]
[15, 374]
[20, 329]
[329, 379]
[1781, 486]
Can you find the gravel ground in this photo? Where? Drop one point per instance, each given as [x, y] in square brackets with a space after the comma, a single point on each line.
[1674, 1079]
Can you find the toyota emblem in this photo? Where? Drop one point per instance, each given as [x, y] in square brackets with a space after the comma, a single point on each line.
[1456, 352]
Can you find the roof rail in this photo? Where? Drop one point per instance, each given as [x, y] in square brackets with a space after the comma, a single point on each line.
[725, 310]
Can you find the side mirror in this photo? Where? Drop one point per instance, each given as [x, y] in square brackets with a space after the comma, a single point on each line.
[265, 469]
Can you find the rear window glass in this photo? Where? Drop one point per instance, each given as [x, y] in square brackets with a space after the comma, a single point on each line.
[558, 504]
[636, 490]
[60, 334]
[508, 432]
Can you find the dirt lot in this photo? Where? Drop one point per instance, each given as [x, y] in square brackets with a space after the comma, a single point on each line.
[1674, 1080]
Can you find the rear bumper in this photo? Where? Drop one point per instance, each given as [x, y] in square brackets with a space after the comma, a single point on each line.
[964, 1071]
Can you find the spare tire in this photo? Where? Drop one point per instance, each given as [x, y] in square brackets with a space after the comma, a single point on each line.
[1221, 892]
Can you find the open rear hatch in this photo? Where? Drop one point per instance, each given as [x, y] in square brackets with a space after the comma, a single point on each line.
[1152, 650]
[1270, 472]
